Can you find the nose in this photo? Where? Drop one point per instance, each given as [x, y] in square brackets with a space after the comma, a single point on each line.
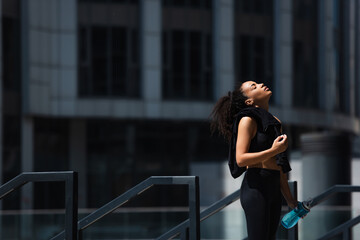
[262, 85]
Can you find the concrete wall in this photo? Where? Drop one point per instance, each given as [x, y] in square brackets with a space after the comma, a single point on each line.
[51, 30]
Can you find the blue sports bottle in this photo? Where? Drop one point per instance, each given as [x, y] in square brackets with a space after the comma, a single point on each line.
[292, 217]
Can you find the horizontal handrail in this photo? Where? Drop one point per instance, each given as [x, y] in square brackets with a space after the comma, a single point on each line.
[332, 190]
[191, 181]
[26, 177]
[345, 227]
[71, 193]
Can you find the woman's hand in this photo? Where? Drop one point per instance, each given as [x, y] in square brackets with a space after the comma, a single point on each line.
[280, 144]
[292, 203]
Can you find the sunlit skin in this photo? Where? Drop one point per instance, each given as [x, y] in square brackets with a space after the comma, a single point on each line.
[258, 96]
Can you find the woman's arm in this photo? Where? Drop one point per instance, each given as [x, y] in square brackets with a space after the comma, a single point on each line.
[246, 131]
[285, 189]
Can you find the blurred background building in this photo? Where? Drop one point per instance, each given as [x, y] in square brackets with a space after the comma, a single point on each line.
[120, 90]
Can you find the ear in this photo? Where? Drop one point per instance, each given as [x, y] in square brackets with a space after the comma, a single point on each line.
[249, 102]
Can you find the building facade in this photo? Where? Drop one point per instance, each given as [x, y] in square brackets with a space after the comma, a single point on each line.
[120, 90]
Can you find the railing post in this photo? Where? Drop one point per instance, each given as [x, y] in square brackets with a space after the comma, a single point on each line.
[194, 210]
[71, 204]
[293, 232]
[347, 234]
[80, 234]
[184, 235]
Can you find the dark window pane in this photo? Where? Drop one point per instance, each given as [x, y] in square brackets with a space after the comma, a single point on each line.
[119, 64]
[51, 148]
[259, 7]
[187, 65]
[11, 100]
[108, 162]
[11, 47]
[119, 76]
[208, 79]
[167, 3]
[208, 49]
[134, 41]
[178, 63]
[195, 64]
[245, 64]
[133, 82]
[99, 49]
[165, 49]
[196, 3]
[208, 4]
[126, 1]
[179, 3]
[109, 55]
[84, 81]
[253, 45]
[83, 44]
[305, 84]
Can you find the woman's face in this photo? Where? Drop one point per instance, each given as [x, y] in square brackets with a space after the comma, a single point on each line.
[257, 93]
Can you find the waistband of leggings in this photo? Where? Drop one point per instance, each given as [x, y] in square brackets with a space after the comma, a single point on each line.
[264, 170]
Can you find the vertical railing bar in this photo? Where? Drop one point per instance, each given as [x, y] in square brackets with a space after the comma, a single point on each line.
[293, 232]
[184, 234]
[347, 234]
[194, 209]
[71, 195]
[80, 234]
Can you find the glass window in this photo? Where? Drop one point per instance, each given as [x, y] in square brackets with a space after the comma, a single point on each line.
[112, 1]
[51, 153]
[254, 59]
[341, 95]
[11, 98]
[187, 73]
[187, 51]
[109, 51]
[257, 7]
[109, 161]
[305, 52]
[205, 4]
[99, 61]
[254, 45]
[11, 53]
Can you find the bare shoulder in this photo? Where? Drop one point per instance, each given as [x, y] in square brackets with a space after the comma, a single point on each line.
[247, 124]
[247, 121]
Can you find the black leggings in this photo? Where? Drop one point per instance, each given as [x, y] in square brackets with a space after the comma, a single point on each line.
[260, 197]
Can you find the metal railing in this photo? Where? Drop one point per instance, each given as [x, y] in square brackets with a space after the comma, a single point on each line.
[216, 207]
[345, 228]
[71, 193]
[194, 205]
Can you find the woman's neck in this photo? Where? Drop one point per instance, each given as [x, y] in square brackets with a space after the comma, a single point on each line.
[263, 106]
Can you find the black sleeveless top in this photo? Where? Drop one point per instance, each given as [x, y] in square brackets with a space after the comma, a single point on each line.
[268, 128]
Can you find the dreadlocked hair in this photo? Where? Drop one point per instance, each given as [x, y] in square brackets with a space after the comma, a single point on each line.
[224, 111]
